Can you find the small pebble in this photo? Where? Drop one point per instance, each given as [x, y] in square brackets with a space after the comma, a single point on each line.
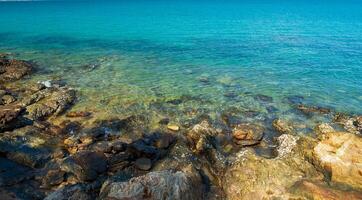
[173, 127]
[143, 163]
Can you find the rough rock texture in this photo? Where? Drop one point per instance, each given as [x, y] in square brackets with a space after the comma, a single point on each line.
[321, 191]
[85, 165]
[167, 185]
[73, 192]
[200, 136]
[253, 177]
[282, 126]
[248, 134]
[11, 70]
[8, 114]
[340, 155]
[49, 102]
[324, 128]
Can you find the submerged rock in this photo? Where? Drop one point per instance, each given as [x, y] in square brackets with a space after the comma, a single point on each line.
[248, 134]
[11, 70]
[12, 173]
[312, 109]
[340, 155]
[282, 127]
[167, 185]
[143, 163]
[55, 102]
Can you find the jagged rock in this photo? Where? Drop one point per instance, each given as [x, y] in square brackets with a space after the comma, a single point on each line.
[11, 70]
[85, 165]
[78, 114]
[248, 134]
[324, 128]
[72, 192]
[350, 124]
[200, 136]
[253, 177]
[282, 127]
[286, 144]
[7, 99]
[8, 114]
[340, 155]
[54, 103]
[167, 185]
[52, 178]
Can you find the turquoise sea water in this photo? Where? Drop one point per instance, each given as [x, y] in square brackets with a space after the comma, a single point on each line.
[128, 56]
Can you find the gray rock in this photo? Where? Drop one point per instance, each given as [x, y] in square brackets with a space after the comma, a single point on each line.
[167, 185]
[72, 192]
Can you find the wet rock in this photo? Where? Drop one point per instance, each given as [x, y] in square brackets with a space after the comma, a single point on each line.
[295, 99]
[164, 141]
[85, 165]
[78, 114]
[319, 190]
[282, 127]
[143, 163]
[156, 185]
[253, 177]
[200, 135]
[248, 134]
[101, 146]
[263, 98]
[8, 114]
[54, 104]
[308, 110]
[119, 161]
[12, 173]
[52, 178]
[11, 70]
[140, 148]
[340, 155]
[32, 157]
[173, 127]
[71, 192]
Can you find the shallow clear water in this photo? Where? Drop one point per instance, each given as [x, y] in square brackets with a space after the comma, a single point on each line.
[129, 56]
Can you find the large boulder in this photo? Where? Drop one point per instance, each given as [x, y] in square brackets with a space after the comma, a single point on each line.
[49, 102]
[167, 185]
[11, 70]
[340, 155]
[254, 177]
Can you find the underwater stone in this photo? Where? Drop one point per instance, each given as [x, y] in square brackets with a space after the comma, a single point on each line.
[248, 134]
[143, 163]
[173, 127]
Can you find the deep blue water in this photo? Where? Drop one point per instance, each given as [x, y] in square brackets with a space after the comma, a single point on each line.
[129, 52]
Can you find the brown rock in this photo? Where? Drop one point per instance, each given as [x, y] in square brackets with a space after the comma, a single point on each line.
[78, 114]
[248, 134]
[321, 191]
[173, 127]
[282, 126]
[11, 70]
[340, 155]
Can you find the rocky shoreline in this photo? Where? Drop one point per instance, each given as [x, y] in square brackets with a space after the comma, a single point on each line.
[47, 152]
